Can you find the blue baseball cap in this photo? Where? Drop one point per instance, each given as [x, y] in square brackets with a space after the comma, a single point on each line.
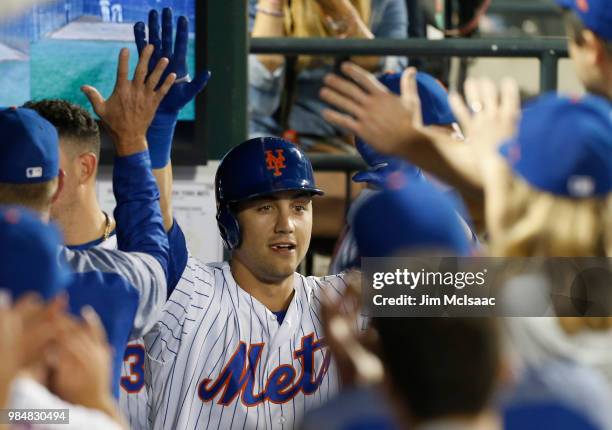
[564, 146]
[435, 110]
[29, 148]
[408, 216]
[435, 107]
[29, 255]
[596, 15]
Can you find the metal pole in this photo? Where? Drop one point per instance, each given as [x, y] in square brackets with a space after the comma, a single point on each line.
[484, 47]
[225, 110]
[549, 71]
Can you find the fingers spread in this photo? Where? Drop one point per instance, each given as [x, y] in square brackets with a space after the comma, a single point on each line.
[341, 102]
[181, 42]
[155, 76]
[346, 88]
[95, 98]
[461, 111]
[123, 66]
[510, 97]
[139, 36]
[365, 79]
[154, 36]
[472, 95]
[166, 47]
[410, 94]
[488, 92]
[163, 90]
[341, 120]
[140, 74]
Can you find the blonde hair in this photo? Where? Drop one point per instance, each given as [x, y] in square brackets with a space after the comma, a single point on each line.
[532, 223]
[536, 223]
[36, 197]
[303, 18]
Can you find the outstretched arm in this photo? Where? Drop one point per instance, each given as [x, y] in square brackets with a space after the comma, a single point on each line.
[184, 90]
[127, 114]
[391, 125]
[161, 131]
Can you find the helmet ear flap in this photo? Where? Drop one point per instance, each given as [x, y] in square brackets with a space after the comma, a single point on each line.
[229, 227]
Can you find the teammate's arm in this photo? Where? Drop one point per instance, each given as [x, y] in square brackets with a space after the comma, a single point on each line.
[127, 115]
[386, 122]
[161, 130]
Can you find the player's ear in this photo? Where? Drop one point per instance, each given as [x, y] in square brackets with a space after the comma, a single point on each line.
[87, 167]
[60, 186]
[594, 47]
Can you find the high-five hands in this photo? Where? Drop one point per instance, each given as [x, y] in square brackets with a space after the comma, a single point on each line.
[128, 112]
[368, 109]
[183, 91]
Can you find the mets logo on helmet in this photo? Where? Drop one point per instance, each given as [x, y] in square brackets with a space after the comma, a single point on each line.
[275, 162]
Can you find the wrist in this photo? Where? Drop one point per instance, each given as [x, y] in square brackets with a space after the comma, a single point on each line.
[126, 146]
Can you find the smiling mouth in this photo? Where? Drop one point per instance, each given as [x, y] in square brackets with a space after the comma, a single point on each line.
[283, 247]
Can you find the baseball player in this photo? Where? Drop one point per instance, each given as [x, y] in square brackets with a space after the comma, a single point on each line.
[589, 28]
[80, 374]
[30, 177]
[240, 344]
[78, 211]
[203, 333]
[133, 395]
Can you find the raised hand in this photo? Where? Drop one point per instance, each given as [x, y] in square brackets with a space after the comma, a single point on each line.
[369, 110]
[129, 110]
[183, 91]
[492, 115]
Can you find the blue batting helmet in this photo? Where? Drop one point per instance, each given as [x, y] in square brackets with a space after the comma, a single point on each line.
[256, 168]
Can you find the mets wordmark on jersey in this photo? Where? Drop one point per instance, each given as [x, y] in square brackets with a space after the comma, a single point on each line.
[218, 358]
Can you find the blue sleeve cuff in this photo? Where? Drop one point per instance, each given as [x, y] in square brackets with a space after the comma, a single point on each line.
[159, 138]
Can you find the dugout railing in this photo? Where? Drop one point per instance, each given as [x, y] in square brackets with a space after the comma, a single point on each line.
[547, 51]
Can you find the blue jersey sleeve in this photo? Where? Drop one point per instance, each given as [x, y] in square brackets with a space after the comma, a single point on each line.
[140, 226]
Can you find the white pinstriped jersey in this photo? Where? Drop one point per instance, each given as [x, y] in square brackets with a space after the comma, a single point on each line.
[219, 359]
[132, 392]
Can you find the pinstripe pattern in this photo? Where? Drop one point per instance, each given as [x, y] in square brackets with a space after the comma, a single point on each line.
[200, 333]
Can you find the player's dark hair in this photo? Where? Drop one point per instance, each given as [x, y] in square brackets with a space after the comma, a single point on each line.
[73, 123]
[440, 366]
[574, 28]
